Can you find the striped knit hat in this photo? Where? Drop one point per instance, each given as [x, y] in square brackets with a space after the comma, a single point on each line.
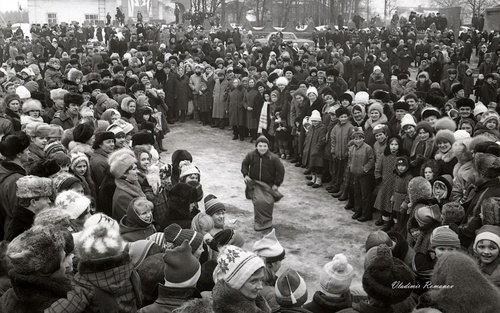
[488, 232]
[175, 235]
[444, 236]
[213, 205]
[235, 266]
[291, 289]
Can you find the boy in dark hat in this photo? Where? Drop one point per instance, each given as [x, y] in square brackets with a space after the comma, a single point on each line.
[70, 116]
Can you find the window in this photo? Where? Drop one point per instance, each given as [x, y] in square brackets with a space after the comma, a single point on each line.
[52, 18]
[92, 19]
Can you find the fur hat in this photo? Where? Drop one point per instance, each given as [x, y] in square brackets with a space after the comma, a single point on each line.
[72, 202]
[315, 116]
[445, 135]
[376, 106]
[175, 235]
[362, 97]
[213, 205]
[143, 139]
[466, 102]
[100, 137]
[426, 126]
[445, 123]
[44, 168]
[487, 165]
[453, 212]
[345, 96]
[269, 248]
[83, 132]
[120, 161]
[187, 168]
[408, 119]
[52, 217]
[100, 238]
[182, 269]
[31, 105]
[55, 131]
[444, 236]
[427, 214]
[34, 249]
[341, 111]
[380, 275]
[13, 144]
[290, 289]
[261, 138]
[401, 105]
[74, 74]
[377, 238]
[490, 116]
[74, 98]
[33, 187]
[337, 275]
[456, 88]
[41, 130]
[419, 189]
[235, 266]
[281, 80]
[226, 237]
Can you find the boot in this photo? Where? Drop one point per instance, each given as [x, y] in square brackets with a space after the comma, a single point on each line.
[380, 221]
[308, 177]
[183, 116]
[160, 144]
[313, 180]
[387, 224]
[318, 182]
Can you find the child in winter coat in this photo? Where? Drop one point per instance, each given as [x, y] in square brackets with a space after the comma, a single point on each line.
[38, 143]
[205, 102]
[282, 134]
[423, 148]
[399, 198]
[339, 139]
[487, 248]
[361, 164]
[313, 149]
[468, 82]
[385, 177]
[441, 189]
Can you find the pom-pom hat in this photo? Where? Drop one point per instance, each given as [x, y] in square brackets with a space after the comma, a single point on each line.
[187, 168]
[290, 289]
[100, 238]
[182, 269]
[33, 187]
[337, 275]
[269, 248]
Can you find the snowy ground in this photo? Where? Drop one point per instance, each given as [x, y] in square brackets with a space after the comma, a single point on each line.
[310, 224]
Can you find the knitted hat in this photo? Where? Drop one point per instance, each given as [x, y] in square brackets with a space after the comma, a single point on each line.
[100, 137]
[487, 165]
[315, 116]
[426, 126]
[445, 123]
[236, 266]
[182, 269]
[337, 275]
[13, 144]
[380, 275]
[77, 157]
[226, 237]
[269, 248]
[408, 119]
[23, 92]
[290, 289]
[358, 132]
[83, 132]
[380, 129]
[445, 135]
[444, 236]
[490, 116]
[312, 90]
[32, 105]
[263, 139]
[453, 212]
[11, 97]
[127, 127]
[120, 161]
[362, 97]
[33, 187]
[100, 238]
[427, 214]
[377, 238]
[376, 106]
[213, 205]
[143, 139]
[480, 108]
[175, 235]
[187, 168]
[487, 232]
[72, 202]
[35, 249]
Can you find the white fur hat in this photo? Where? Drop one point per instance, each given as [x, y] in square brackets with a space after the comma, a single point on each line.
[281, 80]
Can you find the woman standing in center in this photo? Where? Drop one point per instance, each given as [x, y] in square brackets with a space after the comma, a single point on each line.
[236, 110]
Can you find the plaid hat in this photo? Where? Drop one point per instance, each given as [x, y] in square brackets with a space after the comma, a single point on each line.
[290, 289]
[488, 232]
[175, 235]
[33, 187]
[120, 161]
[100, 238]
[182, 269]
[444, 236]
[236, 266]
[72, 202]
[269, 248]
[382, 273]
[35, 249]
[213, 205]
[337, 275]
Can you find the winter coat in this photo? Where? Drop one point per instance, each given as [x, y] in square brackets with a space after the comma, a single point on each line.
[32, 293]
[105, 196]
[169, 87]
[423, 241]
[294, 310]
[36, 154]
[98, 167]
[488, 93]
[237, 116]
[461, 181]
[400, 249]
[321, 303]
[124, 193]
[14, 118]
[10, 172]
[266, 168]
[205, 102]
[64, 120]
[492, 271]
[314, 145]
[133, 228]
[6, 125]
[226, 299]
[400, 189]
[369, 125]
[53, 78]
[107, 284]
[446, 162]
[361, 160]
[169, 299]
[182, 93]
[339, 139]
[159, 200]
[220, 98]
[384, 169]
[251, 99]
[22, 221]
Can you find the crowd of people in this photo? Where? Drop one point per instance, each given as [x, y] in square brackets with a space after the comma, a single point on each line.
[95, 221]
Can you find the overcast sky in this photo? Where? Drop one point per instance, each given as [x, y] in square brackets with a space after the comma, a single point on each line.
[11, 5]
